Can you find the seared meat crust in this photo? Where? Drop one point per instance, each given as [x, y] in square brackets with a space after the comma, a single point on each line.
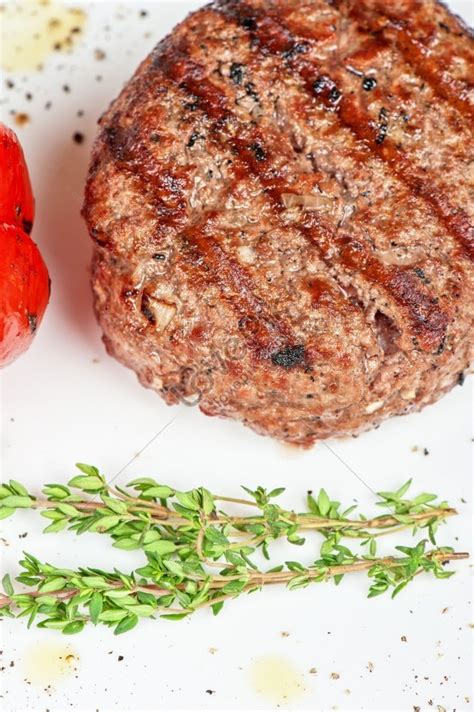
[281, 203]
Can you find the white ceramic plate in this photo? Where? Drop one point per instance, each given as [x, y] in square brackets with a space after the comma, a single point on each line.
[66, 401]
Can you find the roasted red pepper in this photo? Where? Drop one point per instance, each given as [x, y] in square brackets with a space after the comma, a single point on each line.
[24, 279]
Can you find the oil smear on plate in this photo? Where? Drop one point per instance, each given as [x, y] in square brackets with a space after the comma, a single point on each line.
[32, 30]
[288, 450]
[277, 679]
[47, 663]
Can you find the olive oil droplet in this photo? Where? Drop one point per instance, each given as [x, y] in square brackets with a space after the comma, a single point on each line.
[32, 30]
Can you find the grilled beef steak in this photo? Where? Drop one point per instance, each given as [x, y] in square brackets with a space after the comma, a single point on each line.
[281, 206]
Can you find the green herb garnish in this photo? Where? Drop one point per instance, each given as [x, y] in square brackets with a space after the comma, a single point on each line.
[198, 555]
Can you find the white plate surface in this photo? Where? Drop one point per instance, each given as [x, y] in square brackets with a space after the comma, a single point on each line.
[67, 401]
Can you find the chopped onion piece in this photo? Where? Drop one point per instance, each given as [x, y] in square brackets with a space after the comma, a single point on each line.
[307, 201]
[372, 407]
[163, 313]
[246, 254]
[389, 257]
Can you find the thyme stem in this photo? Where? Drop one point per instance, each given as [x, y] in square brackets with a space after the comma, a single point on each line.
[304, 521]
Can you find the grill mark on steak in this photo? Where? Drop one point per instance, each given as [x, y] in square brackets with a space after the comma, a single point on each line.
[427, 320]
[378, 18]
[455, 220]
[369, 50]
[167, 183]
[269, 35]
[410, 30]
[301, 118]
[266, 335]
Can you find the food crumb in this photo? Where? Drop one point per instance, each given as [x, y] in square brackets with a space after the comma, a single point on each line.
[213, 651]
[445, 610]
[403, 639]
[313, 671]
[335, 676]
[99, 54]
[370, 666]
[120, 658]
[210, 692]
[21, 119]
[347, 692]
[284, 634]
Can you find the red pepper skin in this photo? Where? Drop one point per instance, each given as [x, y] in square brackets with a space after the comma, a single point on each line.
[24, 292]
[17, 205]
[24, 279]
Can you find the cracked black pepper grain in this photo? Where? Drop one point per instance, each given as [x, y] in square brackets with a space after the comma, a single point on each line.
[369, 83]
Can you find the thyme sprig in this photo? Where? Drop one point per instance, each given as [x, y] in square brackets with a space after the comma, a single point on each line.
[176, 587]
[198, 555]
[156, 517]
